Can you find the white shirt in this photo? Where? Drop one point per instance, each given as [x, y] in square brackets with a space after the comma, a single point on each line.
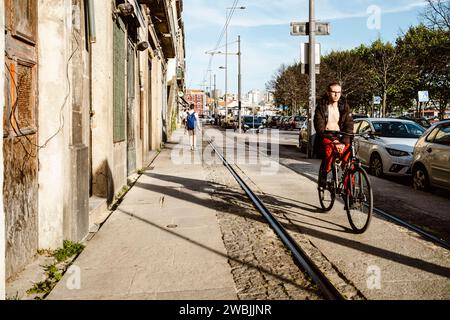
[333, 118]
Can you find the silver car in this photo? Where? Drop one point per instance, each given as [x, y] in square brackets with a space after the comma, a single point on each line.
[431, 159]
[389, 149]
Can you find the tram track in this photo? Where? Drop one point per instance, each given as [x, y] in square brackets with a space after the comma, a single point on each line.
[301, 258]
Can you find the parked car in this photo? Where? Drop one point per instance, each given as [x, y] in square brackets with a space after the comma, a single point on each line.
[229, 123]
[272, 122]
[421, 121]
[295, 122]
[359, 116]
[284, 123]
[204, 119]
[431, 158]
[303, 137]
[252, 122]
[389, 147]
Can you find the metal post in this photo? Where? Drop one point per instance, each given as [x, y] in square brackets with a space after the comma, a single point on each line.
[239, 83]
[214, 95]
[226, 66]
[210, 87]
[312, 79]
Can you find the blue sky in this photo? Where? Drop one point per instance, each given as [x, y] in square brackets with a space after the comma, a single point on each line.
[265, 39]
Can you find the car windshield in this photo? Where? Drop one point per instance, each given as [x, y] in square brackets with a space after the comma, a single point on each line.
[250, 119]
[396, 129]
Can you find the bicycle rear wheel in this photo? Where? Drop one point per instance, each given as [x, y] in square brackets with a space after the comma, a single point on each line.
[327, 195]
[358, 200]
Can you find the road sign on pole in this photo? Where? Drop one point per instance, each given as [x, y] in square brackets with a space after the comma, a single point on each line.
[423, 96]
[304, 58]
[376, 100]
[302, 28]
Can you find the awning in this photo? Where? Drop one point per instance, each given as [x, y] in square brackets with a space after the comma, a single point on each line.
[183, 101]
[137, 12]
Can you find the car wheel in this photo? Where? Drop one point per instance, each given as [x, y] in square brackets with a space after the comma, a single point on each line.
[376, 166]
[420, 179]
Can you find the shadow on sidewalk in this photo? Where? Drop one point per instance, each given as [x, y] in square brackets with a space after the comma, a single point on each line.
[235, 202]
[245, 263]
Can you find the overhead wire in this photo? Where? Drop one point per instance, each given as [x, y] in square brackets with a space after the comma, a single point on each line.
[222, 33]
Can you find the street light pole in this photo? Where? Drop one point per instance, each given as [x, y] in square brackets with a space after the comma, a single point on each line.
[239, 83]
[226, 65]
[214, 95]
[226, 58]
[312, 79]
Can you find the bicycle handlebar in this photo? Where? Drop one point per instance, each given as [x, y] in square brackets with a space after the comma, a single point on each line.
[333, 132]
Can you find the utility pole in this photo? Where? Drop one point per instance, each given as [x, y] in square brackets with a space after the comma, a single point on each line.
[214, 95]
[311, 29]
[226, 55]
[239, 83]
[312, 79]
[210, 87]
[226, 66]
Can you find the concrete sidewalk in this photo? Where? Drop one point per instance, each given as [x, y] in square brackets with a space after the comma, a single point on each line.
[162, 242]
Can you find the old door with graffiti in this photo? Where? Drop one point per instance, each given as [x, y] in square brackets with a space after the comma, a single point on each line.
[20, 132]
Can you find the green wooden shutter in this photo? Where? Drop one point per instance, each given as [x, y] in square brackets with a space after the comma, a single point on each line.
[119, 81]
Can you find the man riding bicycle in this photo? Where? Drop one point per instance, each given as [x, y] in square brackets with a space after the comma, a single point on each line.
[333, 113]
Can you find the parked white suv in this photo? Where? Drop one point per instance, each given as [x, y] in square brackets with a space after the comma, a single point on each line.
[389, 149]
[431, 159]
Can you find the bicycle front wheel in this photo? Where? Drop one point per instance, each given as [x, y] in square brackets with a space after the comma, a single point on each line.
[358, 200]
[327, 195]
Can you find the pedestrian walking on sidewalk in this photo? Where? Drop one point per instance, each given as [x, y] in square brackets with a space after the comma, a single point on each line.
[332, 113]
[192, 126]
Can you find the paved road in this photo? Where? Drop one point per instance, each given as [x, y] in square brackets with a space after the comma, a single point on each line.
[386, 262]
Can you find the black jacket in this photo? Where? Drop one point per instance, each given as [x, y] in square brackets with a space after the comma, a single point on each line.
[345, 118]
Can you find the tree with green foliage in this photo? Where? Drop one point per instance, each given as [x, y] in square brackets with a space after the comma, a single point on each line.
[428, 52]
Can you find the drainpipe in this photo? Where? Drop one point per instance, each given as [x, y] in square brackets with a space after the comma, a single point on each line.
[91, 19]
[92, 39]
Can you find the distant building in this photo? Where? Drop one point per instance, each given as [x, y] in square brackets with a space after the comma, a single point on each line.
[198, 98]
[255, 97]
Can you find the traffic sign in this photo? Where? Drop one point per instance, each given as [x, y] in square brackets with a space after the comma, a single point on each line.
[423, 96]
[302, 28]
[304, 53]
[376, 100]
[304, 68]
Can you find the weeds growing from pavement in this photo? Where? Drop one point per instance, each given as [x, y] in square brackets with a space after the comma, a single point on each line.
[54, 272]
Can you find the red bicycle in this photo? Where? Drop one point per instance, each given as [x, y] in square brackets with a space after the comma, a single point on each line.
[351, 183]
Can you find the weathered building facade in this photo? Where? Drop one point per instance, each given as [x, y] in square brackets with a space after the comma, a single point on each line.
[90, 94]
[2, 104]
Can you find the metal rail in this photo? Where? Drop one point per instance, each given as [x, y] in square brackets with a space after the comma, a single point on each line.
[327, 288]
[416, 229]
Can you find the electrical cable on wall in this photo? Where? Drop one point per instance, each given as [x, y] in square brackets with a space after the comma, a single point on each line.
[18, 132]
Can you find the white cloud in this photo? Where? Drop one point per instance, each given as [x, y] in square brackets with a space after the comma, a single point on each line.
[268, 12]
[266, 48]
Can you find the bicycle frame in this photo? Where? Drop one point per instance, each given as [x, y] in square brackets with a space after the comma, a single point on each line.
[352, 163]
[356, 193]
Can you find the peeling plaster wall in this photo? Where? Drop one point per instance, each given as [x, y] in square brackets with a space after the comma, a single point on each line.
[2, 103]
[102, 103]
[54, 102]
